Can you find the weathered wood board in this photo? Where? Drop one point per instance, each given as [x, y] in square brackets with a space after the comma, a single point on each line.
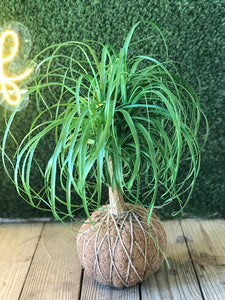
[39, 262]
[17, 246]
[55, 271]
[179, 281]
[206, 243]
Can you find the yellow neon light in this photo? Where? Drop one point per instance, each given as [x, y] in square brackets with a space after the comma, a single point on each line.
[8, 86]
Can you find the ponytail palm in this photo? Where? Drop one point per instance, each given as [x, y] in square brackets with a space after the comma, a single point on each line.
[118, 121]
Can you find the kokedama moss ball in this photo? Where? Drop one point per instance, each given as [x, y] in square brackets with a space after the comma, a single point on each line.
[121, 250]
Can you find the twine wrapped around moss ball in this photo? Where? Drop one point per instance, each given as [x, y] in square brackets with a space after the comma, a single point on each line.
[121, 250]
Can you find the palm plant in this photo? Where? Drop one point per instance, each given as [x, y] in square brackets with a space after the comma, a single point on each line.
[125, 123]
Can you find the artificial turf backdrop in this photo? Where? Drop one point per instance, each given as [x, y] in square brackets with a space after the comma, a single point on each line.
[195, 34]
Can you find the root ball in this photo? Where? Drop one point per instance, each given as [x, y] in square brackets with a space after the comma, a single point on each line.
[121, 250]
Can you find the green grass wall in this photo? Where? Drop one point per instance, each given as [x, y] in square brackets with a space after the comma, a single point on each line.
[195, 34]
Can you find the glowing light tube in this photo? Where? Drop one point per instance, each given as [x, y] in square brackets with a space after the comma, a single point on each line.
[8, 85]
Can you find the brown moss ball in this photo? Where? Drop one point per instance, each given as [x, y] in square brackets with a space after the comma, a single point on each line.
[121, 251]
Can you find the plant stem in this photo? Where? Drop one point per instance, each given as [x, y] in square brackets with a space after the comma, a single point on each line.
[115, 197]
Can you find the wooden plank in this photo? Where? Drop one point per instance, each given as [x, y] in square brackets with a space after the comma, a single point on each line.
[178, 282]
[207, 248]
[55, 271]
[17, 247]
[92, 290]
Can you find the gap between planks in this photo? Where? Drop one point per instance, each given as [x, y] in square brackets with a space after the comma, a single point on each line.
[55, 271]
[206, 243]
[17, 247]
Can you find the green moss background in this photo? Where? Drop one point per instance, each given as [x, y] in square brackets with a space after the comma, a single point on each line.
[195, 34]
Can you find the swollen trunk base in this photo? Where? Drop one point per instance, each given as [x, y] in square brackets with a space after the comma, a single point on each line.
[121, 250]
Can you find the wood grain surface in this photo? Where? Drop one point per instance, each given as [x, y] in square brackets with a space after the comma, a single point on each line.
[39, 262]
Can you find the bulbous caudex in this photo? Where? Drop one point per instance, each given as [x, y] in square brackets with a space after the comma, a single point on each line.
[119, 248]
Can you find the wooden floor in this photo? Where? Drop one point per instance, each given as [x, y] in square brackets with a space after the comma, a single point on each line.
[39, 261]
